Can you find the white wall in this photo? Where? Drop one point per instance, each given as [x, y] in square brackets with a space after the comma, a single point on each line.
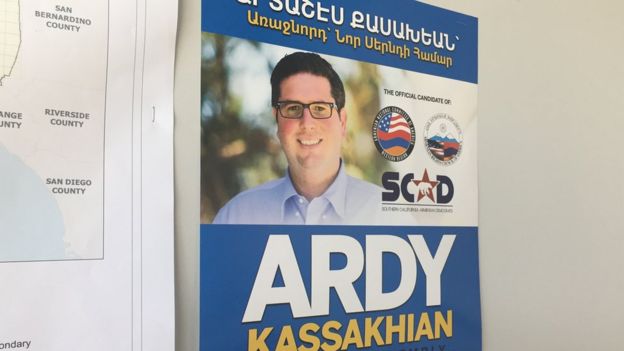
[551, 116]
[551, 173]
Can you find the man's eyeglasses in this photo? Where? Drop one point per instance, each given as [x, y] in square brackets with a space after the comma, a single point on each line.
[294, 109]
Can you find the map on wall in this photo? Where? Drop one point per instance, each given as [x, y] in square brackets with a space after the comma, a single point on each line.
[52, 123]
[10, 34]
[86, 168]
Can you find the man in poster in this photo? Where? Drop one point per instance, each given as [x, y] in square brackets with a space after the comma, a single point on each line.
[308, 100]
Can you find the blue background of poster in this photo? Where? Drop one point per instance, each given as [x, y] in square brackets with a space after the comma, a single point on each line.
[231, 254]
[230, 18]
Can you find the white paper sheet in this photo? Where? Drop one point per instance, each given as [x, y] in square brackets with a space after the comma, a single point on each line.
[86, 185]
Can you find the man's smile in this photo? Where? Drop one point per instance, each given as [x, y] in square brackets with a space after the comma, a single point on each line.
[310, 141]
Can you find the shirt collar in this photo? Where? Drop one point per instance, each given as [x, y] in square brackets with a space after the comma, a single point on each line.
[336, 193]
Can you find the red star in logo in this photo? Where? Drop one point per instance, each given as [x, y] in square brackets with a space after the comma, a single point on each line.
[426, 189]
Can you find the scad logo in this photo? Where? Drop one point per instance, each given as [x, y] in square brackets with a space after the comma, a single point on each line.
[422, 191]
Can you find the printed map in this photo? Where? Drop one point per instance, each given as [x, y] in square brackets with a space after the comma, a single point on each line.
[52, 119]
[10, 34]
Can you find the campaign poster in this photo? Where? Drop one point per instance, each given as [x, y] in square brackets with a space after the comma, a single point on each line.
[338, 177]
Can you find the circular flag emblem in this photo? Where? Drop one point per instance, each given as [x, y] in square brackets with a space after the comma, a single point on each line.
[443, 139]
[393, 133]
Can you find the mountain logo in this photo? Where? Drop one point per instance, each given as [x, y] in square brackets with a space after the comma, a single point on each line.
[443, 139]
[393, 133]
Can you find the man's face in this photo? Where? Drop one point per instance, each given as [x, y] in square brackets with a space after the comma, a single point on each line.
[310, 145]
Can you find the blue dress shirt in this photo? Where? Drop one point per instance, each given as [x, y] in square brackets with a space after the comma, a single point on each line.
[347, 201]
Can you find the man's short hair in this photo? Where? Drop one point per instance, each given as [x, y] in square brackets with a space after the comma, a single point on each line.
[305, 62]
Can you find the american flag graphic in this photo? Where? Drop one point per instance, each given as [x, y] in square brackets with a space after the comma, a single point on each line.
[394, 134]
